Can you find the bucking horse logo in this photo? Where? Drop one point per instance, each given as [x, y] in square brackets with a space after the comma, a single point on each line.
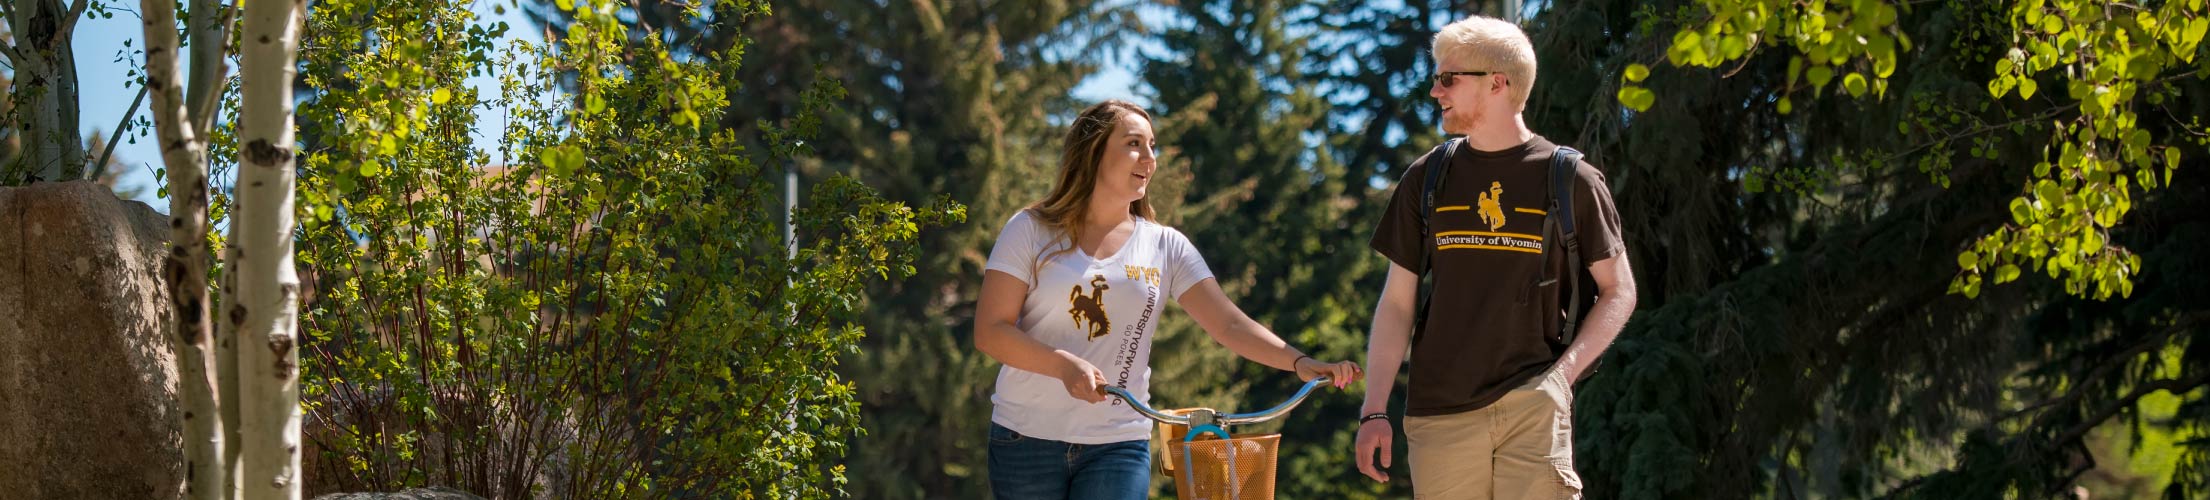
[1091, 308]
[1492, 206]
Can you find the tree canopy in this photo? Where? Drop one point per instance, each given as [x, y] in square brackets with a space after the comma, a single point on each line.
[1940, 249]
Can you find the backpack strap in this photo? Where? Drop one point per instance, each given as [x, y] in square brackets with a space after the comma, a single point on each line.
[1437, 167]
[1558, 226]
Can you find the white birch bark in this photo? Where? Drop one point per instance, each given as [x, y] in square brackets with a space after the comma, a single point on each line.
[210, 45]
[45, 67]
[183, 152]
[261, 231]
[261, 255]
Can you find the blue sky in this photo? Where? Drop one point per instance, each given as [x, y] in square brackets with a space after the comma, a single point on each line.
[104, 96]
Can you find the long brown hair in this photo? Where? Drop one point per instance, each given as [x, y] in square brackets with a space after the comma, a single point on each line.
[1068, 205]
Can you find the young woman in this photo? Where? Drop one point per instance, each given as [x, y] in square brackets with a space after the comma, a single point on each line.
[1070, 301]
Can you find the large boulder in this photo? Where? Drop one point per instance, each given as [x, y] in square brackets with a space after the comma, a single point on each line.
[88, 405]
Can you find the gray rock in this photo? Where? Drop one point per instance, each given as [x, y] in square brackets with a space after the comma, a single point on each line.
[88, 405]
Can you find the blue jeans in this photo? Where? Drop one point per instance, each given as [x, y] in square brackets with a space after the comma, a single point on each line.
[1027, 468]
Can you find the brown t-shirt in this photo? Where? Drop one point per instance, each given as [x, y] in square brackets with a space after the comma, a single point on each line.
[1486, 320]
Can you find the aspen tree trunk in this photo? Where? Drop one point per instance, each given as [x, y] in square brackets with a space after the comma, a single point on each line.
[184, 153]
[45, 65]
[210, 45]
[267, 285]
[226, 382]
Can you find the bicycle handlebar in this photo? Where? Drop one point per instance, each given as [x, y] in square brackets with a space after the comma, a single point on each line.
[1229, 419]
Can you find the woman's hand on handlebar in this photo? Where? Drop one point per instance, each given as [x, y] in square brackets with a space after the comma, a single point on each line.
[1340, 374]
[1082, 379]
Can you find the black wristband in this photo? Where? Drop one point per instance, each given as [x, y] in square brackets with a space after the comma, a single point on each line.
[1373, 416]
[1293, 362]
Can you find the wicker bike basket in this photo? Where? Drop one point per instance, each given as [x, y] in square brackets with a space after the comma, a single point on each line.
[1210, 468]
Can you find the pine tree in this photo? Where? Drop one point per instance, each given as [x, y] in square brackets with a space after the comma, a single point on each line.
[1263, 134]
[956, 100]
[1799, 334]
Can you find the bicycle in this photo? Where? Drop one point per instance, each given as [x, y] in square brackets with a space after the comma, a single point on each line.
[1225, 467]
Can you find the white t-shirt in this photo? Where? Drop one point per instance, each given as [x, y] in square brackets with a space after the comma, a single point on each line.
[1105, 311]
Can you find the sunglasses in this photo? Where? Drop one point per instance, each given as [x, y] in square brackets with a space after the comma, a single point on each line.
[1446, 78]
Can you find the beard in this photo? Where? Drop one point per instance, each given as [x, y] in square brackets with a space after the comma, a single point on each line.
[1454, 124]
[1461, 120]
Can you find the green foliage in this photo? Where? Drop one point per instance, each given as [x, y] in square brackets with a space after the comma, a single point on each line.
[612, 312]
[2115, 59]
[1856, 36]
[961, 99]
[1840, 354]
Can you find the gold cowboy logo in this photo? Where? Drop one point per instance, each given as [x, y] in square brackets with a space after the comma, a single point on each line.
[1091, 308]
[1491, 204]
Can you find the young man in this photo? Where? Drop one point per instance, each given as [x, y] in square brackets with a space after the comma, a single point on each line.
[1489, 407]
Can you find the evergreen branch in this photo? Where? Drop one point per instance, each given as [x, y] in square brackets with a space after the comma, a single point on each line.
[2105, 369]
[2072, 435]
[2176, 386]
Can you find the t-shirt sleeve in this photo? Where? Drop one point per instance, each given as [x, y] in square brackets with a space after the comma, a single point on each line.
[1018, 243]
[1185, 266]
[1400, 235]
[1595, 217]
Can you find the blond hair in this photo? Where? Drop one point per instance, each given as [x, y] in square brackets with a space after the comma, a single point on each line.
[1489, 44]
[1064, 210]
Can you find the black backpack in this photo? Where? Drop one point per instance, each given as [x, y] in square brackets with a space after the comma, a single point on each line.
[1557, 226]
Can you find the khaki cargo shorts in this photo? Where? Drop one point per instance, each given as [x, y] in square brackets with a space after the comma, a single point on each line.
[1518, 448]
